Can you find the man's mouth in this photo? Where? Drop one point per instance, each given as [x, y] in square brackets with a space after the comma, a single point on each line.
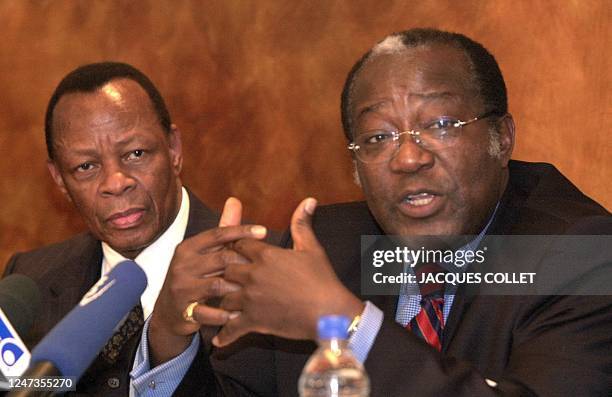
[126, 219]
[420, 204]
[419, 200]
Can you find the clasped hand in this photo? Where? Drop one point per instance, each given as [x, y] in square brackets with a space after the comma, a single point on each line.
[263, 288]
[283, 291]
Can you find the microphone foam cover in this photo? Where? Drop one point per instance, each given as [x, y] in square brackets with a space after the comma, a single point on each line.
[76, 340]
[20, 301]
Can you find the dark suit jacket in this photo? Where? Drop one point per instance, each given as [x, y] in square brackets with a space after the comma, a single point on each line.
[529, 345]
[65, 271]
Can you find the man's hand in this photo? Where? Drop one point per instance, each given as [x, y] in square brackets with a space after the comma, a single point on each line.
[284, 291]
[194, 275]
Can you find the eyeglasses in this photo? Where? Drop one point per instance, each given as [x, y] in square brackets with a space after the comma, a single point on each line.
[377, 146]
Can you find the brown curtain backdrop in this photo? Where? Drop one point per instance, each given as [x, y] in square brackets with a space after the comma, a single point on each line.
[254, 87]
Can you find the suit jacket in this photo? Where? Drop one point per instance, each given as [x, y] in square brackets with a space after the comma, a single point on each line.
[529, 345]
[65, 271]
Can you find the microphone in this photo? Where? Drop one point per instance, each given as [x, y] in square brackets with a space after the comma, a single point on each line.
[20, 303]
[72, 345]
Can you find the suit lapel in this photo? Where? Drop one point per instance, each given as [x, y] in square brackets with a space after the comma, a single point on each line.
[504, 220]
[200, 217]
[76, 275]
[461, 304]
[65, 281]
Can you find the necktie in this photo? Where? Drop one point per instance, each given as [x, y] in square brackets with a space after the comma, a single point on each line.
[131, 326]
[428, 324]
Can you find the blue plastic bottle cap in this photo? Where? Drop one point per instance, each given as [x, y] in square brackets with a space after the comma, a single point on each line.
[333, 326]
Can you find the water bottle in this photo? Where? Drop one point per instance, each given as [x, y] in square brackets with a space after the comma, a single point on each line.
[333, 370]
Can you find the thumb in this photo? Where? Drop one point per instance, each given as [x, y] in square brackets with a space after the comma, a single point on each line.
[232, 213]
[301, 226]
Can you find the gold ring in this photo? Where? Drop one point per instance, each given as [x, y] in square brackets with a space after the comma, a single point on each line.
[188, 312]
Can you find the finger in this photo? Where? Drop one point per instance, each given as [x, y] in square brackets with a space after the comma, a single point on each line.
[204, 290]
[218, 287]
[216, 237]
[251, 249]
[207, 315]
[237, 273]
[230, 256]
[232, 330]
[232, 213]
[301, 226]
[232, 302]
[214, 287]
[215, 263]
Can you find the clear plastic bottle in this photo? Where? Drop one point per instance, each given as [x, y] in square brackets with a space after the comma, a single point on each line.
[333, 370]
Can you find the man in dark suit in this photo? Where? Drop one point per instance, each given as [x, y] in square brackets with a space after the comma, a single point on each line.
[425, 113]
[115, 154]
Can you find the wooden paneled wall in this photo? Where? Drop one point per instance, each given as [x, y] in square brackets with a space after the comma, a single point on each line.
[254, 86]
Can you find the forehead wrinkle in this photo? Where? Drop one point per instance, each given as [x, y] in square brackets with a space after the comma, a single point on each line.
[411, 99]
[433, 95]
[84, 111]
[110, 121]
[86, 142]
[114, 122]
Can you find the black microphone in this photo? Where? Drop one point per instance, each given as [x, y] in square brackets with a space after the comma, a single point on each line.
[72, 345]
[20, 304]
[20, 301]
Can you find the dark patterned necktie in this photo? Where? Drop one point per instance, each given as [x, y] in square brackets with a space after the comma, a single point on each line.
[428, 324]
[131, 326]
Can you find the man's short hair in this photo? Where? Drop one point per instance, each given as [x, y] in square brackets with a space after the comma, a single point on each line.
[485, 70]
[88, 78]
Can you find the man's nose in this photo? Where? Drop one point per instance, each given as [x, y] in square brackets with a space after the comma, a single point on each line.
[410, 156]
[116, 181]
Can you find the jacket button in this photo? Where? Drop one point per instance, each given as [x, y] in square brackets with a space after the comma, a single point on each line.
[113, 383]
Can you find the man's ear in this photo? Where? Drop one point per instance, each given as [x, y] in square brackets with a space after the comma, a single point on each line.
[506, 138]
[176, 148]
[57, 178]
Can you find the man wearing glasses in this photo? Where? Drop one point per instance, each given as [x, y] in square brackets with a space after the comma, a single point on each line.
[426, 116]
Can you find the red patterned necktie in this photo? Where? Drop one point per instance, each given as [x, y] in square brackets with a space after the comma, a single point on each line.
[428, 324]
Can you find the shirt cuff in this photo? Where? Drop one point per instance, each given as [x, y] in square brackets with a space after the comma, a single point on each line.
[165, 378]
[363, 338]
